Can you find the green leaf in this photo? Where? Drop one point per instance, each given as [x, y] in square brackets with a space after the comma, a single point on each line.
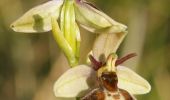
[38, 19]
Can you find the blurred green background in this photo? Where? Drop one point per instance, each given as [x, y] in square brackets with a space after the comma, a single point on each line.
[30, 63]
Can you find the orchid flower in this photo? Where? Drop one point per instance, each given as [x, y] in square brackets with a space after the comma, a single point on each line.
[70, 14]
[78, 81]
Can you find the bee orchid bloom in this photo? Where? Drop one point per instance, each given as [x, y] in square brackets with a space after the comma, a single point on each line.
[70, 14]
[78, 81]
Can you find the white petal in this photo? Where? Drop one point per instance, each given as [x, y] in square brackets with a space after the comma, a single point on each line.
[106, 43]
[74, 82]
[95, 20]
[38, 19]
[131, 81]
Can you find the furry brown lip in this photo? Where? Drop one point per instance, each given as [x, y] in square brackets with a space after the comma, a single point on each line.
[108, 88]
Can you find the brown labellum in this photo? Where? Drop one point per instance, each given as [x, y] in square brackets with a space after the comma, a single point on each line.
[96, 94]
[108, 81]
[108, 89]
